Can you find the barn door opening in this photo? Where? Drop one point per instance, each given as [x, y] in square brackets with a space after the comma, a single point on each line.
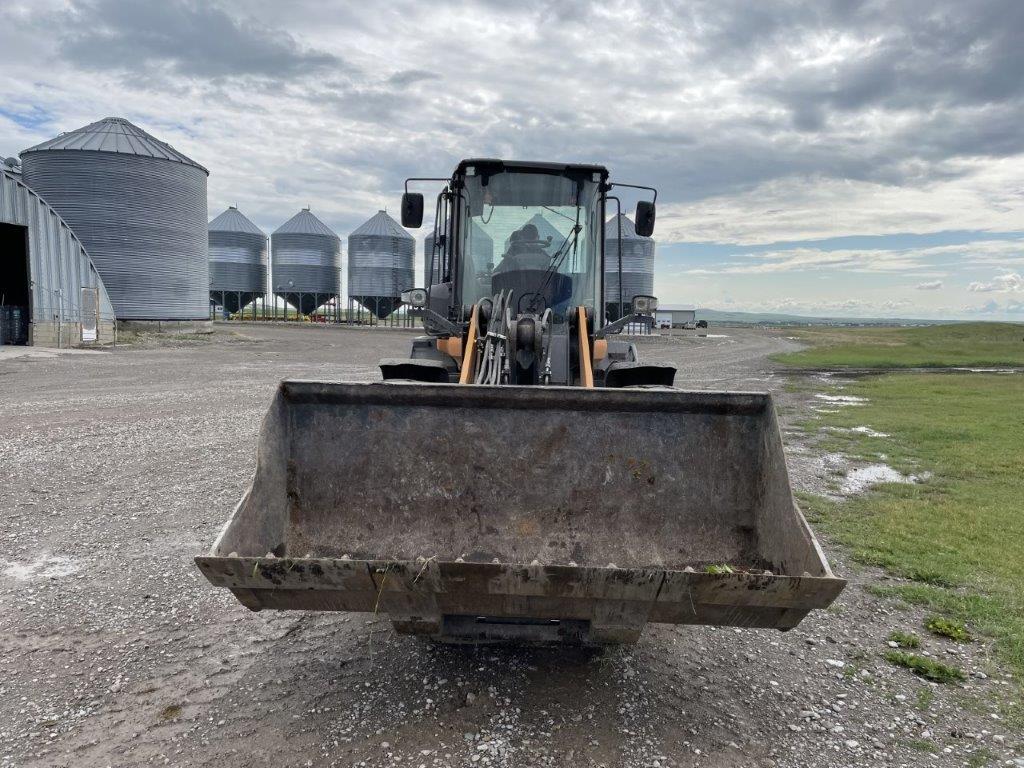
[14, 284]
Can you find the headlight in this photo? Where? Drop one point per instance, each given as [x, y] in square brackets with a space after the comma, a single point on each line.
[644, 305]
[415, 297]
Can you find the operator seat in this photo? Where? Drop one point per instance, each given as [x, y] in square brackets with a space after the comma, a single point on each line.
[524, 270]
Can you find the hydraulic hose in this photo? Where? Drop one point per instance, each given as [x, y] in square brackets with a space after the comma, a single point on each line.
[546, 332]
[493, 367]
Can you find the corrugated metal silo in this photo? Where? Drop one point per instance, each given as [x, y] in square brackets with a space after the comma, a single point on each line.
[637, 265]
[381, 258]
[433, 262]
[481, 248]
[238, 260]
[305, 260]
[139, 207]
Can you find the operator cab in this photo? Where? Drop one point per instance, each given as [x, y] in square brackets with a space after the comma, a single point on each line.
[518, 263]
[532, 228]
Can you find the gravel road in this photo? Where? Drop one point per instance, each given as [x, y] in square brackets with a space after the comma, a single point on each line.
[117, 467]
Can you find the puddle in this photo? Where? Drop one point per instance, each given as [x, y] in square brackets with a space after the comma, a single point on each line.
[833, 462]
[842, 399]
[866, 431]
[987, 370]
[861, 479]
[43, 568]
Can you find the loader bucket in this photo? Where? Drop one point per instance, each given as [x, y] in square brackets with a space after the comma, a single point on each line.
[470, 513]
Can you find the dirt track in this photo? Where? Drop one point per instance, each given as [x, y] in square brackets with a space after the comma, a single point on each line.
[118, 467]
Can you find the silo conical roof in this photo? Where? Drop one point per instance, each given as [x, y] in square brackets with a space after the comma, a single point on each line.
[382, 225]
[304, 223]
[611, 229]
[233, 220]
[118, 136]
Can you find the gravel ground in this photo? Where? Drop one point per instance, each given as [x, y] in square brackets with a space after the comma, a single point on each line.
[118, 467]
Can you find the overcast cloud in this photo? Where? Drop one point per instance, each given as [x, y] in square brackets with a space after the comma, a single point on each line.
[775, 131]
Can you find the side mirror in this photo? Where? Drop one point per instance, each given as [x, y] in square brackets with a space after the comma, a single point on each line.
[415, 297]
[644, 218]
[412, 210]
[644, 305]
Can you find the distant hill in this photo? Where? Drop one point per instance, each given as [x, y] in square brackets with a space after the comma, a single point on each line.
[719, 317]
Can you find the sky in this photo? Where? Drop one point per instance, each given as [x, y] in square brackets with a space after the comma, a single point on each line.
[833, 157]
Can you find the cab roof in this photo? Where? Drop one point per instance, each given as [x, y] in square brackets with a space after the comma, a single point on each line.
[528, 166]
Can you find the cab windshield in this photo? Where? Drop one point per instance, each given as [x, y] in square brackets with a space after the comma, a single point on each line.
[536, 234]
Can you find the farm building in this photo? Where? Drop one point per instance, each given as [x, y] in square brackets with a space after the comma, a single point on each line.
[50, 292]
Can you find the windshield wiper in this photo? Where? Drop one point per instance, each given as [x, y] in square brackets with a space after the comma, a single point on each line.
[557, 259]
[560, 254]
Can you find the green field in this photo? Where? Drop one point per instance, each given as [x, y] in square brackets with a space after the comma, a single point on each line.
[934, 346]
[958, 536]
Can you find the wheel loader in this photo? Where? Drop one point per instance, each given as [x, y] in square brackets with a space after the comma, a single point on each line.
[523, 476]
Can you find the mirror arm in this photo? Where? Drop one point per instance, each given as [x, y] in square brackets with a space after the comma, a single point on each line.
[637, 186]
[622, 322]
[443, 323]
[423, 178]
[618, 222]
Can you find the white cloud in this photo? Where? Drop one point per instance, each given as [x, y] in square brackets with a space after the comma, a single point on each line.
[839, 307]
[929, 285]
[757, 126]
[1008, 283]
[870, 260]
[979, 195]
[759, 123]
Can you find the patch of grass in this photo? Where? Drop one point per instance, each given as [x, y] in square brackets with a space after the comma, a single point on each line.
[959, 344]
[986, 613]
[925, 667]
[954, 629]
[719, 569]
[959, 535]
[905, 639]
[1012, 713]
[979, 758]
[921, 745]
[925, 697]
[170, 712]
[976, 704]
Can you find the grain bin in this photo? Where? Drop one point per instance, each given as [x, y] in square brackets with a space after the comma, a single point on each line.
[238, 260]
[637, 265]
[433, 263]
[139, 207]
[480, 247]
[305, 258]
[381, 258]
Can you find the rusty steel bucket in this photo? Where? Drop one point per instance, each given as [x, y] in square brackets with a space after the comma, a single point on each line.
[543, 514]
